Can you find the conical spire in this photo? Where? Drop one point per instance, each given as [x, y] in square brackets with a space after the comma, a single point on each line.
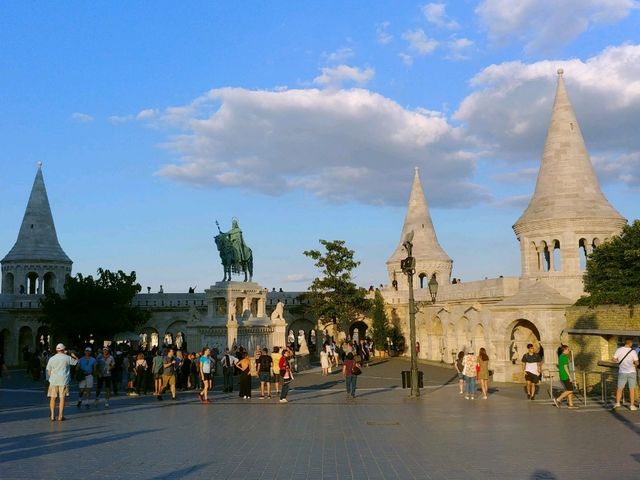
[418, 220]
[567, 186]
[37, 239]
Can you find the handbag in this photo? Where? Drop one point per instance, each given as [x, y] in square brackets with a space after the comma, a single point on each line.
[611, 364]
[356, 370]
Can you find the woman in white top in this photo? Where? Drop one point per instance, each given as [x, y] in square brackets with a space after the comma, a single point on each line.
[324, 360]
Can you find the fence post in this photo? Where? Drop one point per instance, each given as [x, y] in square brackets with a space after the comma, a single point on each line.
[603, 388]
[584, 386]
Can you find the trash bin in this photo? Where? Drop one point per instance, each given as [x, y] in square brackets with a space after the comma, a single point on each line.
[406, 379]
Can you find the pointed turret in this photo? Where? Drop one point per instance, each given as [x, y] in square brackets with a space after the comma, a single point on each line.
[37, 260]
[429, 255]
[568, 212]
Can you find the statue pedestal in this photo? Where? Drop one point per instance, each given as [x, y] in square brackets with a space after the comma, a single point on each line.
[303, 361]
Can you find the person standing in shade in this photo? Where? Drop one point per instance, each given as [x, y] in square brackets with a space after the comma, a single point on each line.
[565, 378]
[106, 364]
[141, 374]
[470, 372]
[627, 359]
[459, 364]
[205, 374]
[244, 366]
[59, 373]
[532, 365]
[286, 374]
[483, 372]
[87, 365]
[351, 380]
[156, 369]
[169, 369]
[275, 357]
[228, 362]
[265, 365]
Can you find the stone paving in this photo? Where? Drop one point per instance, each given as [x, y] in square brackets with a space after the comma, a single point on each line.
[320, 434]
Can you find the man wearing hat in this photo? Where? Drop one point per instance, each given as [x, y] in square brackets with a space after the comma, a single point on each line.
[87, 368]
[59, 372]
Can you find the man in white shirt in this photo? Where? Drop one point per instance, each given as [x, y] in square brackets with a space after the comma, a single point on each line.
[627, 358]
[59, 373]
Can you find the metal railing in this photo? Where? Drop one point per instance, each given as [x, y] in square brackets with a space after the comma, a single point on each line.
[594, 386]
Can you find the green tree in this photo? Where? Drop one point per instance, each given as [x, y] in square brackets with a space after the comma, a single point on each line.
[613, 270]
[380, 324]
[97, 308]
[334, 297]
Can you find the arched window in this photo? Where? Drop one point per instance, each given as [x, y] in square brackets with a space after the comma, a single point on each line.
[545, 256]
[557, 257]
[8, 283]
[534, 258]
[582, 252]
[422, 276]
[32, 283]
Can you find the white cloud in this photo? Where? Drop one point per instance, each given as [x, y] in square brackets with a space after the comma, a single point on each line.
[459, 48]
[436, 14]
[298, 277]
[335, 77]
[146, 114]
[510, 109]
[517, 202]
[419, 43]
[382, 35]
[339, 56]
[624, 169]
[81, 117]
[548, 24]
[120, 119]
[526, 175]
[406, 59]
[340, 145]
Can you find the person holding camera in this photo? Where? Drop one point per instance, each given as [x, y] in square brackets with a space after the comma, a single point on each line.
[59, 373]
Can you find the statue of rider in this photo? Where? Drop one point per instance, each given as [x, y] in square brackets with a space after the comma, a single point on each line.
[235, 239]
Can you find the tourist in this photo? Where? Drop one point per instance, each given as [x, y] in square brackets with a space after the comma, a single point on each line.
[459, 364]
[627, 360]
[194, 371]
[87, 367]
[244, 365]
[275, 358]
[169, 370]
[185, 372]
[532, 365]
[483, 372]
[118, 373]
[205, 374]
[140, 369]
[324, 360]
[565, 378]
[106, 363]
[264, 367]
[286, 374]
[228, 368]
[347, 373]
[59, 371]
[156, 368]
[470, 372]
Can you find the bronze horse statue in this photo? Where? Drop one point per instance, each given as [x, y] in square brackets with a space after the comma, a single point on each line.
[230, 262]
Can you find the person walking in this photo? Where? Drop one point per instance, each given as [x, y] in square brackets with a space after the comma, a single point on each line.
[59, 373]
[565, 378]
[244, 365]
[324, 360]
[470, 371]
[169, 371]
[106, 364]
[228, 362]
[532, 366]
[459, 364]
[205, 374]
[286, 373]
[87, 365]
[141, 373]
[483, 372]
[627, 360]
[351, 380]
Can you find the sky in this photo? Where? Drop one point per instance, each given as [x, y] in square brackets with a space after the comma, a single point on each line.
[305, 121]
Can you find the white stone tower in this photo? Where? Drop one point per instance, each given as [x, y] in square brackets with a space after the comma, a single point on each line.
[430, 257]
[568, 215]
[36, 263]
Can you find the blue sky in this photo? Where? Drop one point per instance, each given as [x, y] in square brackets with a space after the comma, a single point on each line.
[304, 120]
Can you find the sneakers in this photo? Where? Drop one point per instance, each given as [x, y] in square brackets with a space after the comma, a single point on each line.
[261, 397]
[633, 407]
[283, 400]
[572, 407]
[467, 397]
[533, 397]
[555, 402]
[617, 405]
[106, 404]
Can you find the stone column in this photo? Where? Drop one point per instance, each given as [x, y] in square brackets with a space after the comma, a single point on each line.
[232, 332]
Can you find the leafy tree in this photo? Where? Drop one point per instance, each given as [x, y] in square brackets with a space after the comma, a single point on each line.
[333, 297]
[97, 308]
[613, 270]
[380, 324]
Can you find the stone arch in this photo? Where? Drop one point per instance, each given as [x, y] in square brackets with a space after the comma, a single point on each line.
[306, 326]
[5, 343]
[172, 333]
[50, 282]
[436, 340]
[545, 257]
[25, 341]
[421, 278]
[462, 327]
[583, 252]
[534, 257]
[8, 283]
[149, 338]
[32, 283]
[518, 334]
[478, 340]
[595, 243]
[43, 338]
[557, 255]
[451, 342]
[358, 327]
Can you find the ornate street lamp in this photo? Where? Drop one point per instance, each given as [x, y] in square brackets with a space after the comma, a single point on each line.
[408, 266]
[433, 288]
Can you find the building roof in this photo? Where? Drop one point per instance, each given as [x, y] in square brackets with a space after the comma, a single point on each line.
[37, 239]
[418, 220]
[567, 186]
[536, 293]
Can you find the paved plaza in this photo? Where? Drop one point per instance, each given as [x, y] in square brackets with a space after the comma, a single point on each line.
[319, 434]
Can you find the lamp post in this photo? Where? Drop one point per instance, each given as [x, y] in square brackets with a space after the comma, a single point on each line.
[408, 266]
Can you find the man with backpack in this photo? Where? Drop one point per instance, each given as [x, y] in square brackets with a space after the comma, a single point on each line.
[265, 364]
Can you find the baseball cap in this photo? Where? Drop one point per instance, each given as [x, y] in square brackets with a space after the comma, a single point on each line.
[88, 349]
[60, 347]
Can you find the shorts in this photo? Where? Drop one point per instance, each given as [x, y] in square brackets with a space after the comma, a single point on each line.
[530, 377]
[265, 377]
[56, 391]
[568, 385]
[460, 376]
[157, 376]
[86, 383]
[207, 376]
[107, 382]
[168, 380]
[630, 378]
[276, 377]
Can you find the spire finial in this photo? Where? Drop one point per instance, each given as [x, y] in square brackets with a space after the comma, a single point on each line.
[560, 72]
[417, 169]
[39, 165]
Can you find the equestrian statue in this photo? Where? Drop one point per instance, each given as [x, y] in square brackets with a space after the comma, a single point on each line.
[236, 257]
